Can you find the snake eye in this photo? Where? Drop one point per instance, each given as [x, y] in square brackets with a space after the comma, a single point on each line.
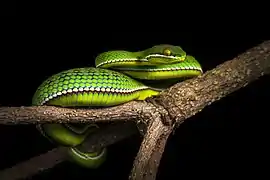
[167, 52]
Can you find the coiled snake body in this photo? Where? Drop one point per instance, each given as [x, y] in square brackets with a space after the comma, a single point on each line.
[119, 77]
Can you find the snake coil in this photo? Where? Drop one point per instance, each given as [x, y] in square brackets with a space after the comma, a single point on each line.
[119, 77]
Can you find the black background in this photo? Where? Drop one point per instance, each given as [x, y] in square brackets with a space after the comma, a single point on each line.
[8, 8]
[227, 138]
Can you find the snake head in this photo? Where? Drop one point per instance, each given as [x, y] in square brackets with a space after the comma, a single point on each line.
[164, 54]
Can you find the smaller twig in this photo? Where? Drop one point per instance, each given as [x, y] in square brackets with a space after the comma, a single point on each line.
[148, 158]
[34, 165]
[100, 139]
[114, 133]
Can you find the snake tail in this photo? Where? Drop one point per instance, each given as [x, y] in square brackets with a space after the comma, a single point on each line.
[88, 160]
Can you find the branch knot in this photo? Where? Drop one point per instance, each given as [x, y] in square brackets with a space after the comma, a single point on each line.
[165, 117]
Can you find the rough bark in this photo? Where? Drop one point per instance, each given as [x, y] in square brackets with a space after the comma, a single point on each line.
[157, 117]
[51, 114]
[147, 161]
[34, 165]
[185, 99]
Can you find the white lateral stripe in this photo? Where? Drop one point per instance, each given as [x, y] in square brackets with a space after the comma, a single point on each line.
[119, 60]
[177, 68]
[163, 69]
[97, 89]
[136, 59]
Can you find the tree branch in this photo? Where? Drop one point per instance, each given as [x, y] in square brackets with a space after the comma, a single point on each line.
[147, 161]
[52, 114]
[34, 165]
[187, 98]
[156, 117]
[104, 137]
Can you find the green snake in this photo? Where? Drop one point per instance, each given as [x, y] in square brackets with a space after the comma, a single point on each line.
[119, 77]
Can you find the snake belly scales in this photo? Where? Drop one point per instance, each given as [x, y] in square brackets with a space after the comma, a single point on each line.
[119, 77]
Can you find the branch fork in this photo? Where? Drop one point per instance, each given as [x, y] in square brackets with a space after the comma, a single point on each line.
[155, 118]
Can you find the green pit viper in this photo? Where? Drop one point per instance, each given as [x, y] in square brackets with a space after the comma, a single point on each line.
[119, 76]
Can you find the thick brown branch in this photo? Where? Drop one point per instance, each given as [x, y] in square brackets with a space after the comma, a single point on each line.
[51, 114]
[185, 99]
